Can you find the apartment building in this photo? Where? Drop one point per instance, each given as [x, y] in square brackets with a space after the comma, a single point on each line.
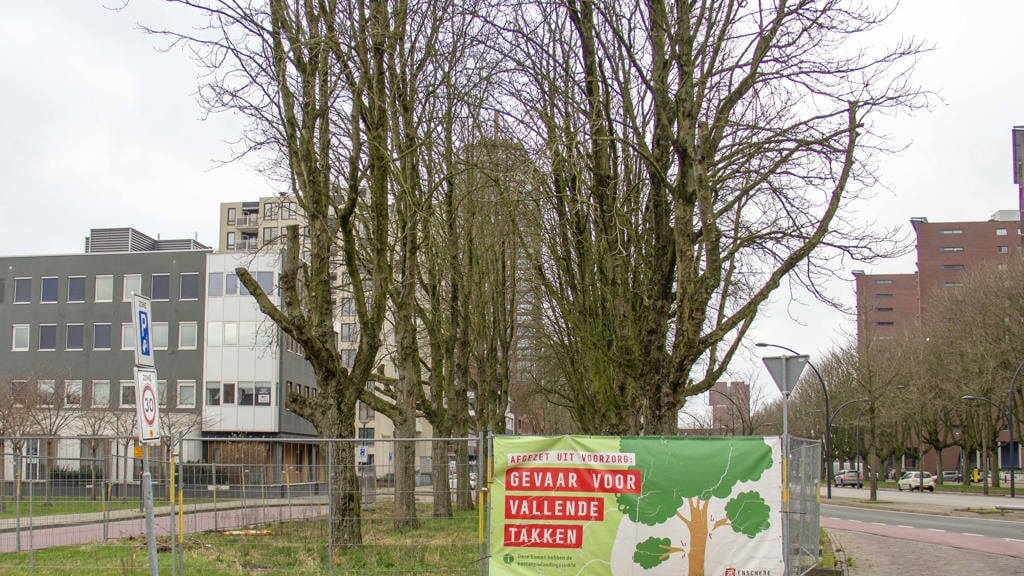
[248, 226]
[251, 226]
[67, 340]
[890, 304]
[730, 408]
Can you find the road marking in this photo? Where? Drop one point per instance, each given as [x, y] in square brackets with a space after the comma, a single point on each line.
[936, 530]
[903, 526]
[1011, 539]
[973, 534]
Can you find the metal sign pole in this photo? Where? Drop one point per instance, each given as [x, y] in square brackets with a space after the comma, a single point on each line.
[147, 495]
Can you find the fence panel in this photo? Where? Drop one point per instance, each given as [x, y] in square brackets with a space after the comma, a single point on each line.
[230, 506]
[804, 515]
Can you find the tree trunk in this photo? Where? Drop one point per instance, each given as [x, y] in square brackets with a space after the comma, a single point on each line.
[343, 483]
[464, 495]
[439, 473]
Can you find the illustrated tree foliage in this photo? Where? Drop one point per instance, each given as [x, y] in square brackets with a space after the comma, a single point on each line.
[681, 480]
[699, 155]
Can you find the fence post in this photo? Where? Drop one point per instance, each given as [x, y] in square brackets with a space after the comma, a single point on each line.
[17, 501]
[330, 502]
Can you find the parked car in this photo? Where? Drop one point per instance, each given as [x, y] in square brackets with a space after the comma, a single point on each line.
[952, 476]
[916, 480]
[849, 478]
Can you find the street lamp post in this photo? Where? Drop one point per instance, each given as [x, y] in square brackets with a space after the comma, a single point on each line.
[833, 416]
[1008, 414]
[828, 417]
[1012, 423]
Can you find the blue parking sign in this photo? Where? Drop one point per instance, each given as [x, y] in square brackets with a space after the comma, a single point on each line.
[144, 333]
[143, 320]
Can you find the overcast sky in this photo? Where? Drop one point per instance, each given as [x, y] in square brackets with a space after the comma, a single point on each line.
[100, 129]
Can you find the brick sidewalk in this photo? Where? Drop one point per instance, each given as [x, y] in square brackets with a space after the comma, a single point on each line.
[871, 555]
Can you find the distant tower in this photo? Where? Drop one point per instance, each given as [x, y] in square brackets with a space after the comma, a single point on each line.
[730, 408]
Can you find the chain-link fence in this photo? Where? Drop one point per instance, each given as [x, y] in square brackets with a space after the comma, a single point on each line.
[231, 506]
[278, 506]
[803, 514]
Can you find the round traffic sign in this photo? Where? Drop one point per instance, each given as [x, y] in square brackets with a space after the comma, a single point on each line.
[149, 405]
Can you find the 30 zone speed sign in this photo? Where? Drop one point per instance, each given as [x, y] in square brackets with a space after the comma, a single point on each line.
[147, 405]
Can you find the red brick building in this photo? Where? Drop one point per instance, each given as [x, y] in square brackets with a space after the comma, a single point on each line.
[890, 304]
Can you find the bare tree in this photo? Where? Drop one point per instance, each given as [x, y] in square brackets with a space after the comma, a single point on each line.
[95, 427]
[15, 424]
[973, 336]
[698, 156]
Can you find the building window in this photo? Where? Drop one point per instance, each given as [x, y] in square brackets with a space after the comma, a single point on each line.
[951, 231]
[883, 295]
[348, 307]
[268, 211]
[951, 249]
[269, 233]
[229, 393]
[186, 393]
[266, 281]
[190, 286]
[952, 284]
[127, 393]
[22, 290]
[188, 335]
[214, 334]
[104, 288]
[47, 336]
[1003, 249]
[1000, 231]
[48, 290]
[231, 215]
[161, 287]
[230, 241]
[883, 309]
[73, 393]
[348, 332]
[46, 392]
[884, 323]
[161, 392]
[952, 266]
[231, 333]
[127, 336]
[348, 358]
[76, 289]
[159, 335]
[215, 284]
[246, 394]
[75, 337]
[100, 393]
[288, 211]
[213, 393]
[20, 337]
[882, 282]
[230, 284]
[101, 336]
[132, 285]
[263, 393]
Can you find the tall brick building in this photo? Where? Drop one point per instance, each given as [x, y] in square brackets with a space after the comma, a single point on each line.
[890, 304]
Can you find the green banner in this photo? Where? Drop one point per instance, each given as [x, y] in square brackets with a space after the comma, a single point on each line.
[607, 505]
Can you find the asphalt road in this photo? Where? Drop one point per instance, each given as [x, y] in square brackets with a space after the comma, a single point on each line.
[933, 534]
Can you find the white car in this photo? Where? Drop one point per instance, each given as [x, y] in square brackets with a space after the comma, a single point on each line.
[913, 480]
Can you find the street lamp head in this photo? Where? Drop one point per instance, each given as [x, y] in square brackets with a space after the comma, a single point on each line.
[970, 398]
[761, 344]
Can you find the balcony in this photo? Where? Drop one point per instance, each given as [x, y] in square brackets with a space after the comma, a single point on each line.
[248, 221]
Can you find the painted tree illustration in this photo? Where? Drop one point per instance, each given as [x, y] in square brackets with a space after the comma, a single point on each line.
[681, 478]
